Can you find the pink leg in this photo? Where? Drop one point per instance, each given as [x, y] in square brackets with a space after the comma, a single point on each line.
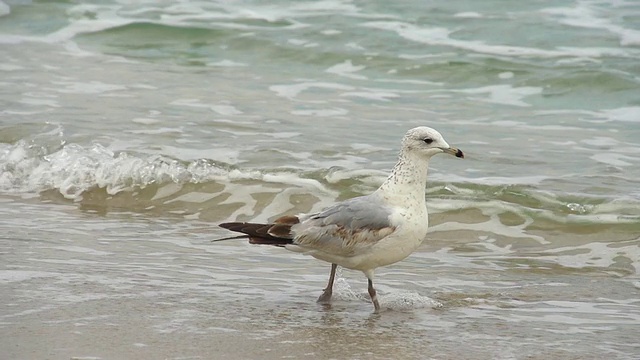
[325, 298]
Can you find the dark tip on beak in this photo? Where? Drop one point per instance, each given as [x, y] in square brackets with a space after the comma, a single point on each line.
[453, 151]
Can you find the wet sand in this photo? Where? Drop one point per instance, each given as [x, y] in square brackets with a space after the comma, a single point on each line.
[173, 327]
[173, 298]
[77, 285]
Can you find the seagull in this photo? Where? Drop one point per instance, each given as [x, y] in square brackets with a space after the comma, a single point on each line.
[365, 232]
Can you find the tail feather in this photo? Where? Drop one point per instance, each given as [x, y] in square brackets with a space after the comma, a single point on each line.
[263, 234]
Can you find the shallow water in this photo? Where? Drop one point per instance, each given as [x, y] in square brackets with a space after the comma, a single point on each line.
[129, 130]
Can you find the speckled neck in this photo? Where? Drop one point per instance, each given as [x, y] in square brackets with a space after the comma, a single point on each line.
[408, 179]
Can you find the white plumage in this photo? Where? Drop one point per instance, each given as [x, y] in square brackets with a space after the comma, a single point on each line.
[365, 232]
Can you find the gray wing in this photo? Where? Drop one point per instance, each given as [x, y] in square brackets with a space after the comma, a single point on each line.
[344, 228]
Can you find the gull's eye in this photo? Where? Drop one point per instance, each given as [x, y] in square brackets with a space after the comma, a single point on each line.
[428, 140]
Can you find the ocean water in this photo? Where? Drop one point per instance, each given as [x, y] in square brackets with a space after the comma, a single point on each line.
[129, 129]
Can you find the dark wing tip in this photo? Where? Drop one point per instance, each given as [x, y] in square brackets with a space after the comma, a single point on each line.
[231, 238]
[232, 225]
[267, 234]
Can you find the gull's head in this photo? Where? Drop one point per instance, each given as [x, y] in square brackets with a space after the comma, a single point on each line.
[427, 141]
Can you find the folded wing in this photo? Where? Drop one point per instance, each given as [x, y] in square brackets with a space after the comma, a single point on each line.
[345, 228]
